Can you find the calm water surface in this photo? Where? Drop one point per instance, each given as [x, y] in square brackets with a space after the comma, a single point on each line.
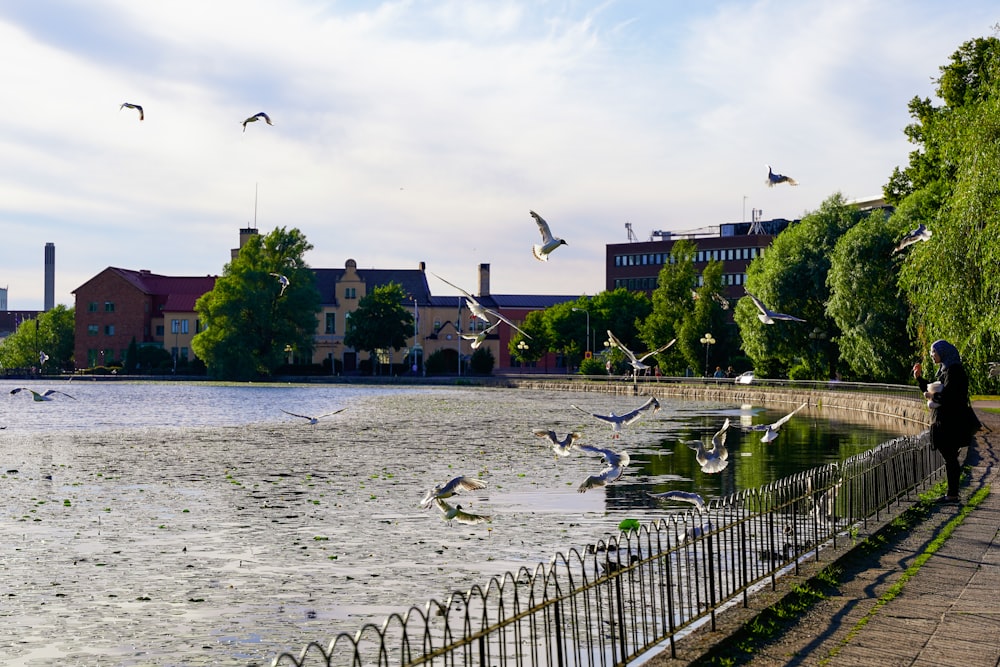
[162, 524]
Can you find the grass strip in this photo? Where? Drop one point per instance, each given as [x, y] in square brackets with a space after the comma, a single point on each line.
[918, 562]
[770, 623]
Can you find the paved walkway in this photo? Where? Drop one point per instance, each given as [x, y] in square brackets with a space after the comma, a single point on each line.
[946, 612]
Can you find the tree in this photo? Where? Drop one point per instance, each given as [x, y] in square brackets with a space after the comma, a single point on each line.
[250, 318]
[671, 304]
[952, 282]
[792, 278]
[131, 362]
[865, 305]
[380, 322]
[52, 333]
[482, 361]
[536, 344]
[707, 316]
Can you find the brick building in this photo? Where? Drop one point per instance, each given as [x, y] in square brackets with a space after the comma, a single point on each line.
[118, 305]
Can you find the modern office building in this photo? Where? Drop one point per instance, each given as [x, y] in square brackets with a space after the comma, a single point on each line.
[636, 265]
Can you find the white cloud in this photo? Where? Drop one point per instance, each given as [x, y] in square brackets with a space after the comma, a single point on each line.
[424, 131]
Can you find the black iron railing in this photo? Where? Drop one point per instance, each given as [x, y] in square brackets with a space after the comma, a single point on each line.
[616, 600]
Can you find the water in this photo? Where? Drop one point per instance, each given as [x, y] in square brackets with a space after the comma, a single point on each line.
[162, 524]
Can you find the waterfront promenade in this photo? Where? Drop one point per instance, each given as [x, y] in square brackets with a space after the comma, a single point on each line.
[930, 596]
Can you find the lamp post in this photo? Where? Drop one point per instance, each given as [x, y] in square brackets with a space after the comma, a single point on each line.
[707, 341]
[522, 348]
[587, 344]
[817, 336]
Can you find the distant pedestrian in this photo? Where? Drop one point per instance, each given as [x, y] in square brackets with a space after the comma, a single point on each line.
[718, 372]
[730, 372]
[949, 430]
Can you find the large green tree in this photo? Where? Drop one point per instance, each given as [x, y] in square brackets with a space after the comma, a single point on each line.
[250, 319]
[380, 322]
[51, 333]
[865, 303]
[952, 185]
[672, 304]
[791, 278]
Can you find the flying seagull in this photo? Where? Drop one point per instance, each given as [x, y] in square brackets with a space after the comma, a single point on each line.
[254, 118]
[721, 300]
[450, 488]
[768, 316]
[283, 280]
[560, 447]
[479, 338]
[614, 467]
[47, 396]
[42, 358]
[314, 420]
[478, 309]
[129, 105]
[776, 179]
[715, 458]
[636, 360]
[994, 369]
[549, 242]
[771, 430]
[921, 233]
[618, 422]
[682, 496]
[456, 513]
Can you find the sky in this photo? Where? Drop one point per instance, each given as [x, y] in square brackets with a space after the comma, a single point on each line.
[412, 131]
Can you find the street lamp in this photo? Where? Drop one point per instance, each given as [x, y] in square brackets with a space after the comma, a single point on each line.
[707, 341]
[587, 344]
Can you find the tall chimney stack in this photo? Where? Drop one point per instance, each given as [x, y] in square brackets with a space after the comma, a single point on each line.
[50, 276]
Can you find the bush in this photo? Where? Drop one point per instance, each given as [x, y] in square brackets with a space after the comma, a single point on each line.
[592, 366]
[439, 363]
[482, 361]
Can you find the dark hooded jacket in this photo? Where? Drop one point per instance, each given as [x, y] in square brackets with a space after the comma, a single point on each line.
[949, 428]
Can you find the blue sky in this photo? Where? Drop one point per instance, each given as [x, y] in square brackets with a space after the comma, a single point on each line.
[412, 131]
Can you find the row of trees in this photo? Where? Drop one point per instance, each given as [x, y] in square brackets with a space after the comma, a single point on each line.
[870, 312]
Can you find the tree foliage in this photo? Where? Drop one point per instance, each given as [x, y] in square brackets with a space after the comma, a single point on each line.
[381, 321]
[791, 278]
[52, 332]
[248, 321]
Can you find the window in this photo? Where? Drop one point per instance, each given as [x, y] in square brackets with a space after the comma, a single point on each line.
[92, 307]
[109, 330]
[175, 326]
[109, 306]
[331, 323]
[93, 330]
[184, 326]
[350, 293]
[159, 330]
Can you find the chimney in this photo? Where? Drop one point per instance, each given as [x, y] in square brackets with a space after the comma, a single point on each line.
[484, 280]
[245, 234]
[50, 276]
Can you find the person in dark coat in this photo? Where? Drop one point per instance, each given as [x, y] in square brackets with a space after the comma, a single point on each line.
[948, 429]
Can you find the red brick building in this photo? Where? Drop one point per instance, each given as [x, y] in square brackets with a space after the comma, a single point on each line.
[118, 305]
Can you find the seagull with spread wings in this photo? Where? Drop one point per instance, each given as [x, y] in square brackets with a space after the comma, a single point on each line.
[129, 105]
[771, 430]
[682, 496]
[451, 488]
[560, 447]
[768, 316]
[634, 359]
[542, 250]
[618, 422]
[614, 467]
[314, 420]
[478, 309]
[480, 338]
[283, 281]
[776, 179]
[45, 396]
[921, 233]
[456, 513]
[254, 118]
[715, 458]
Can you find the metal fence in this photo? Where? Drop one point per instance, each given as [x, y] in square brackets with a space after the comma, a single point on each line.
[620, 598]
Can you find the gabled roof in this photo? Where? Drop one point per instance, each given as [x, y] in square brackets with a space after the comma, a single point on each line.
[413, 282]
[155, 284]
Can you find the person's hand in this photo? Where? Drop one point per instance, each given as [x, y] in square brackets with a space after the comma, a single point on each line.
[917, 369]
